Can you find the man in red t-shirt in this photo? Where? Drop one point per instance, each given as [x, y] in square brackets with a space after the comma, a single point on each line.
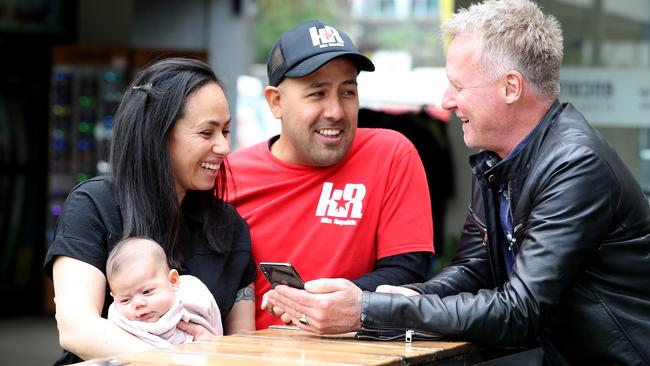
[333, 200]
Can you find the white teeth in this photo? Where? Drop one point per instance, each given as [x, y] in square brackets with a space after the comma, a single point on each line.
[329, 132]
[209, 166]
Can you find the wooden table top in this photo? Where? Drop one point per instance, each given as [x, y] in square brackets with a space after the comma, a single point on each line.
[292, 346]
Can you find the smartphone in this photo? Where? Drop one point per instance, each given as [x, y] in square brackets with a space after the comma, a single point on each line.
[281, 274]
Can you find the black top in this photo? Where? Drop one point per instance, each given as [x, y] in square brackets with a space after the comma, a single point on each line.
[91, 225]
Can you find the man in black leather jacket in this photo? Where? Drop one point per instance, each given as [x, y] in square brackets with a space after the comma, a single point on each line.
[556, 245]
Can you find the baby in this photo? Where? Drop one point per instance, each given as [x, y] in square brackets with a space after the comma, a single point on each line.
[150, 298]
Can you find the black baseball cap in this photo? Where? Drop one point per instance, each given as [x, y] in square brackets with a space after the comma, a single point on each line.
[303, 49]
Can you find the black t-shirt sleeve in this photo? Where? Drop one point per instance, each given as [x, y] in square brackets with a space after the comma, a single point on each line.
[83, 230]
[396, 270]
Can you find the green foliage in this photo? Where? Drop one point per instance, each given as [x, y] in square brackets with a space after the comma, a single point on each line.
[275, 17]
[422, 43]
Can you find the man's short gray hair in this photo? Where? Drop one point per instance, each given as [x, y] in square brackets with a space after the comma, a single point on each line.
[514, 35]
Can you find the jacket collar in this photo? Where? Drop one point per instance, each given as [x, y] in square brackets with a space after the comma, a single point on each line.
[491, 170]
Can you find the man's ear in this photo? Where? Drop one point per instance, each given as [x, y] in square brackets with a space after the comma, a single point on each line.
[273, 96]
[174, 279]
[512, 86]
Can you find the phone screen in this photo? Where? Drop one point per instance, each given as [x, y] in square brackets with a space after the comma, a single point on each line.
[281, 274]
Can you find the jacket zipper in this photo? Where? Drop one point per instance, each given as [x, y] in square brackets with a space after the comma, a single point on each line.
[512, 238]
[408, 333]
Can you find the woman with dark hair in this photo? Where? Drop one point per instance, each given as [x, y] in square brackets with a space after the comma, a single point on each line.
[170, 141]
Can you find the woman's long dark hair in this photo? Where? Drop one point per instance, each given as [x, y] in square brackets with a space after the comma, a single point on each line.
[140, 159]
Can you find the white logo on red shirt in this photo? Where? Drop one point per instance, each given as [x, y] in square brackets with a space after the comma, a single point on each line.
[325, 37]
[341, 206]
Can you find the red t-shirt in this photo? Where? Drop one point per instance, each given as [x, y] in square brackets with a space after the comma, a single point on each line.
[335, 221]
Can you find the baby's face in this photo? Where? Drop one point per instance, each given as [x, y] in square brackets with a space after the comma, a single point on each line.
[143, 292]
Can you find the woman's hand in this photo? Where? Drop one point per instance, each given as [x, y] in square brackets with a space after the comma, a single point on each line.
[273, 309]
[197, 331]
[388, 289]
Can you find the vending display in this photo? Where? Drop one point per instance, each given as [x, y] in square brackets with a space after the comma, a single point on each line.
[85, 89]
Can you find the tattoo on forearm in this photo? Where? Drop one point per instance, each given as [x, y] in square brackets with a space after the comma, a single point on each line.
[247, 293]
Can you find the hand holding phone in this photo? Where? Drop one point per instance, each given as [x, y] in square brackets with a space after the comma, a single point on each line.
[281, 274]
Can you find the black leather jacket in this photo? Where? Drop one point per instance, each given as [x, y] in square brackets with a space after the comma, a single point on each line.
[580, 286]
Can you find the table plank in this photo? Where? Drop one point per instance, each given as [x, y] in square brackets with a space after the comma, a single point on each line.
[292, 346]
[235, 357]
[415, 352]
[281, 350]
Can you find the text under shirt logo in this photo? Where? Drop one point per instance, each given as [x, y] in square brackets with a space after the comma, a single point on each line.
[341, 206]
[325, 37]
